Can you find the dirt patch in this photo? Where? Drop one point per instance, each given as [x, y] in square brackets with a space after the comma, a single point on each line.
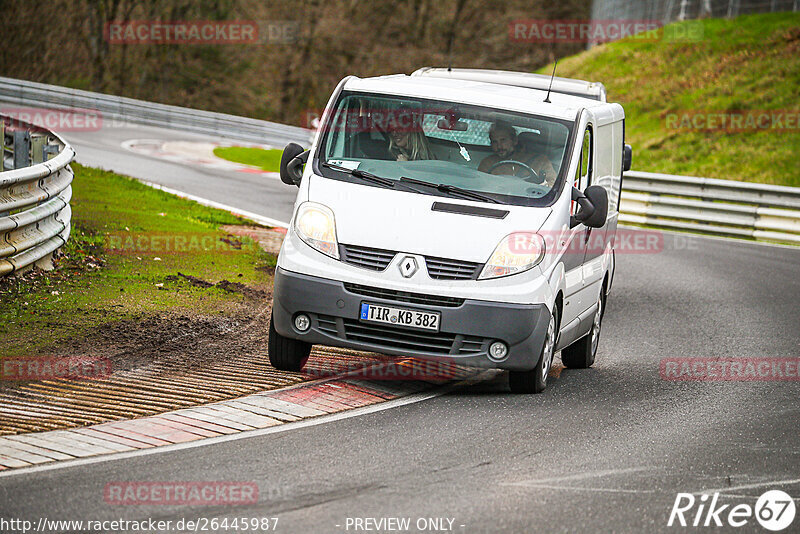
[269, 269]
[188, 339]
[225, 285]
[269, 239]
[234, 243]
[162, 362]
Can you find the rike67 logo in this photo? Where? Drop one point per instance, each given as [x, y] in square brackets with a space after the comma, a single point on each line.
[774, 510]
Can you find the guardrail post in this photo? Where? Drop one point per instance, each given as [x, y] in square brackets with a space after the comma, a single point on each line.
[45, 263]
[2, 146]
[3, 156]
[38, 143]
[50, 150]
[22, 149]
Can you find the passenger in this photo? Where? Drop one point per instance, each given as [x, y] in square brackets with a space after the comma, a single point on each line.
[507, 148]
[407, 141]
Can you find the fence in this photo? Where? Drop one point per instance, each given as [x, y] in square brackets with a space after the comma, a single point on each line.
[35, 192]
[112, 109]
[706, 205]
[666, 11]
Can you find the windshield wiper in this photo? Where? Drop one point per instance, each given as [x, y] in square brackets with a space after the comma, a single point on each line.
[367, 176]
[453, 190]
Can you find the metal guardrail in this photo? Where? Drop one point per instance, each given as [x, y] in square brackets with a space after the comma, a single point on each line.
[712, 206]
[34, 195]
[117, 108]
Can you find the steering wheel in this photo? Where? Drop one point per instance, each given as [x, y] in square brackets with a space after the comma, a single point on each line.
[525, 166]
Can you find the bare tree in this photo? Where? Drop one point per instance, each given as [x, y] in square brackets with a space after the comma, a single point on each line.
[98, 14]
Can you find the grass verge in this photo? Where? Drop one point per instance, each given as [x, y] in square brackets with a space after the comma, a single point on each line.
[133, 250]
[268, 160]
[751, 63]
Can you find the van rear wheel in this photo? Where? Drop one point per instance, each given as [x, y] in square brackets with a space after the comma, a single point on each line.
[535, 380]
[581, 354]
[285, 353]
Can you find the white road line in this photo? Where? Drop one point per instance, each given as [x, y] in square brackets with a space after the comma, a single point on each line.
[581, 476]
[737, 496]
[785, 482]
[576, 488]
[285, 427]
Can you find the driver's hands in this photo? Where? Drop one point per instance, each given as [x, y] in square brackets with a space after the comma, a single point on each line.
[544, 168]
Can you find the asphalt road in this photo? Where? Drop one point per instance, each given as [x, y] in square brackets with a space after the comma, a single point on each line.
[602, 450]
[103, 148]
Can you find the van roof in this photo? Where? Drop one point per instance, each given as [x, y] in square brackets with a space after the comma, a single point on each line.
[567, 86]
[500, 96]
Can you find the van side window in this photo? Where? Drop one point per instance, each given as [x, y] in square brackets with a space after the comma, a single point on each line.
[587, 160]
[583, 174]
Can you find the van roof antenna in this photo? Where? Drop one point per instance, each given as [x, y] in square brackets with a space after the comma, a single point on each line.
[547, 98]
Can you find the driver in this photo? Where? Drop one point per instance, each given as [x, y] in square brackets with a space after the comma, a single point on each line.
[507, 149]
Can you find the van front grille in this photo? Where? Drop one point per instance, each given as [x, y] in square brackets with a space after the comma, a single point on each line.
[439, 343]
[368, 258]
[436, 342]
[404, 296]
[444, 269]
[327, 325]
[376, 259]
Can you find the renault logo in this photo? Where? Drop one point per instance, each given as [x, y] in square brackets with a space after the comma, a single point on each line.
[408, 266]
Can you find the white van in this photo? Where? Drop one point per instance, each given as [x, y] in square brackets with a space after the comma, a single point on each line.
[453, 215]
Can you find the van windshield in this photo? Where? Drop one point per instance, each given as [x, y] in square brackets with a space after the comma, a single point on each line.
[510, 157]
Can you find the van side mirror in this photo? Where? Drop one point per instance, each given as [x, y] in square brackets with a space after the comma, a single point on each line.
[593, 207]
[627, 157]
[292, 161]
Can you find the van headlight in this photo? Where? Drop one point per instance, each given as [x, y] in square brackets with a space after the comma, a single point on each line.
[515, 254]
[316, 226]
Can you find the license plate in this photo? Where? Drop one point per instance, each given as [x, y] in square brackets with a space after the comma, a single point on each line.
[374, 313]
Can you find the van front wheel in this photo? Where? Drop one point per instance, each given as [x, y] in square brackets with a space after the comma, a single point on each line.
[535, 380]
[285, 353]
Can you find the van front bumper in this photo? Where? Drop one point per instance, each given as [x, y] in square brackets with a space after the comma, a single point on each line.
[467, 327]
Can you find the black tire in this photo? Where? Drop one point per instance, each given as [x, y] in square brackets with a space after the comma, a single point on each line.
[285, 353]
[581, 354]
[535, 380]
